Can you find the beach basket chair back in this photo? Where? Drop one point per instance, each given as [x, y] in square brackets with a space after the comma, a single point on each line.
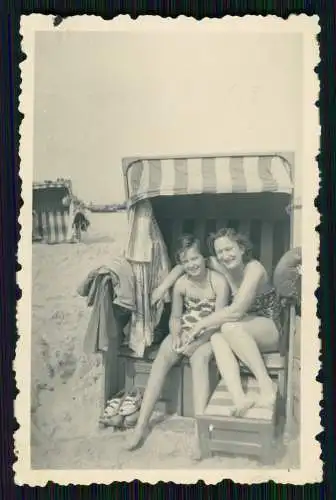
[201, 194]
[51, 204]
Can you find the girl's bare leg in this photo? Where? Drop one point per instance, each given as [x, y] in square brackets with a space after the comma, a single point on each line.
[247, 339]
[163, 362]
[228, 367]
[199, 362]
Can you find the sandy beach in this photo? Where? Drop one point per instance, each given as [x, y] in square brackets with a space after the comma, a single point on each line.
[67, 386]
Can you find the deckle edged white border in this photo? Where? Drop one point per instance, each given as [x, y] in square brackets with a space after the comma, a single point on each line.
[311, 465]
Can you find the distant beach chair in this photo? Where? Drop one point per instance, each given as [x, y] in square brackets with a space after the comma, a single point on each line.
[53, 211]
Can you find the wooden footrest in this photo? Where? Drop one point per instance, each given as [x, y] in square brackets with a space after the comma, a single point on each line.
[221, 404]
[250, 435]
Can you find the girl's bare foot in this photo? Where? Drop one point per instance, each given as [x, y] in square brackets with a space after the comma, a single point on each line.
[196, 455]
[242, 406]
[135, 439]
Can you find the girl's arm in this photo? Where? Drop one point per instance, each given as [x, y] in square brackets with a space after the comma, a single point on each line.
[222, 290]
[167, 283]
[245, 296]
[176, 313]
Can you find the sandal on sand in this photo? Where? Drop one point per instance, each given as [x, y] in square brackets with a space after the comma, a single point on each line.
[131, 403]
[111, 421]
[131, 420]
[111, 415]
[114, 404]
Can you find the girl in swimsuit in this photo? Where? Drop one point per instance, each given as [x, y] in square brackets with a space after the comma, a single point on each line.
[247, 327]
[198, 292]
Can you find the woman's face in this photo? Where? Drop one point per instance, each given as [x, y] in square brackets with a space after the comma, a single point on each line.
[228, 252]
[192, 261]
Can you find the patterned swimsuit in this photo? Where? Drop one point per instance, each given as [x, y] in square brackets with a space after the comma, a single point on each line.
[267, 305]
[194, 310]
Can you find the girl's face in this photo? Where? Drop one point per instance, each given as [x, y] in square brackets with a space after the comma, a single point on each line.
[228, 252]
[193, 262]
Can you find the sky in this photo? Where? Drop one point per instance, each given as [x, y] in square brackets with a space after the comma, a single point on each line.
[102, 96]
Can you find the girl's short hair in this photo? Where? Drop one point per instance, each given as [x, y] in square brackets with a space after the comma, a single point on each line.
[242, 240]
[184, 243]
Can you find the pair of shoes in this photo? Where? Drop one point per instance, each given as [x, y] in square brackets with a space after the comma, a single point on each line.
[131, 403]
[111, 416]
[122, 410]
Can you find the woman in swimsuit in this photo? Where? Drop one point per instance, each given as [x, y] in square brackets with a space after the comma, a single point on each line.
[198, 292]
[247, 327]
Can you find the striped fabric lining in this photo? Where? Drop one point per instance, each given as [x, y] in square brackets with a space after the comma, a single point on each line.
[53, 226]
[249, 174]
[220, 404]
[269, 239]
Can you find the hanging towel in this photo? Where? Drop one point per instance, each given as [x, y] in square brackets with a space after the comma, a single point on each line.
[104, 288]
[147, 254]
[102, 321]
[122, 278]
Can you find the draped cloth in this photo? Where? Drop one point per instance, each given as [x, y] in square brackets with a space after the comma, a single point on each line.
[148, 256]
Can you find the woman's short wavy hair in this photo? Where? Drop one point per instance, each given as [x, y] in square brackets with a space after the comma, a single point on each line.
[184, 243]
[242, 240]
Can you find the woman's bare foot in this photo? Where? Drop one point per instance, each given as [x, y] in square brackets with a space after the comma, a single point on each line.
[242, 406]
[267, 396]
[135, 439]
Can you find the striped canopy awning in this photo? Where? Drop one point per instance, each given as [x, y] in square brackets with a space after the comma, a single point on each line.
[59, 183]
[220, 174]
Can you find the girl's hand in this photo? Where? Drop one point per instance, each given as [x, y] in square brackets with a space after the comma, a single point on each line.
[157, 295]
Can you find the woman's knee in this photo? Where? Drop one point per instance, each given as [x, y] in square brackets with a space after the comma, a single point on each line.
[229, 330]
[216, 340]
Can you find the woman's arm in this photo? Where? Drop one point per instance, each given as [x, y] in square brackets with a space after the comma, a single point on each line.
[167, 283]
[245, 296]
[176, 312]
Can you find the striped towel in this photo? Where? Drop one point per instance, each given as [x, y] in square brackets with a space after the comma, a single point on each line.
[147, 254]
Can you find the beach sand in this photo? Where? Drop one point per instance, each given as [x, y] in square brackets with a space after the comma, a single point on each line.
[67, 385]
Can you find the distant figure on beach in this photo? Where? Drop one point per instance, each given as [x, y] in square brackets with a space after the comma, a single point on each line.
[80, 222]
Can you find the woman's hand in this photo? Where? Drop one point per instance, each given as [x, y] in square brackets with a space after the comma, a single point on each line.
[176, 341]
[196, 330]
[157, 295]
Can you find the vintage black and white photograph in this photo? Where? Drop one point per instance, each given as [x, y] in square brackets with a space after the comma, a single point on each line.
[168, 322]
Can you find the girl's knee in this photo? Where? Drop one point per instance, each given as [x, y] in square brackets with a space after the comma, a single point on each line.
[166, 352]
[201, 357]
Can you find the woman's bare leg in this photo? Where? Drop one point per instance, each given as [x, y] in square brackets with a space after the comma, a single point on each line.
[247, 339]
[228, 367]
[164, 361]
[199, 362]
